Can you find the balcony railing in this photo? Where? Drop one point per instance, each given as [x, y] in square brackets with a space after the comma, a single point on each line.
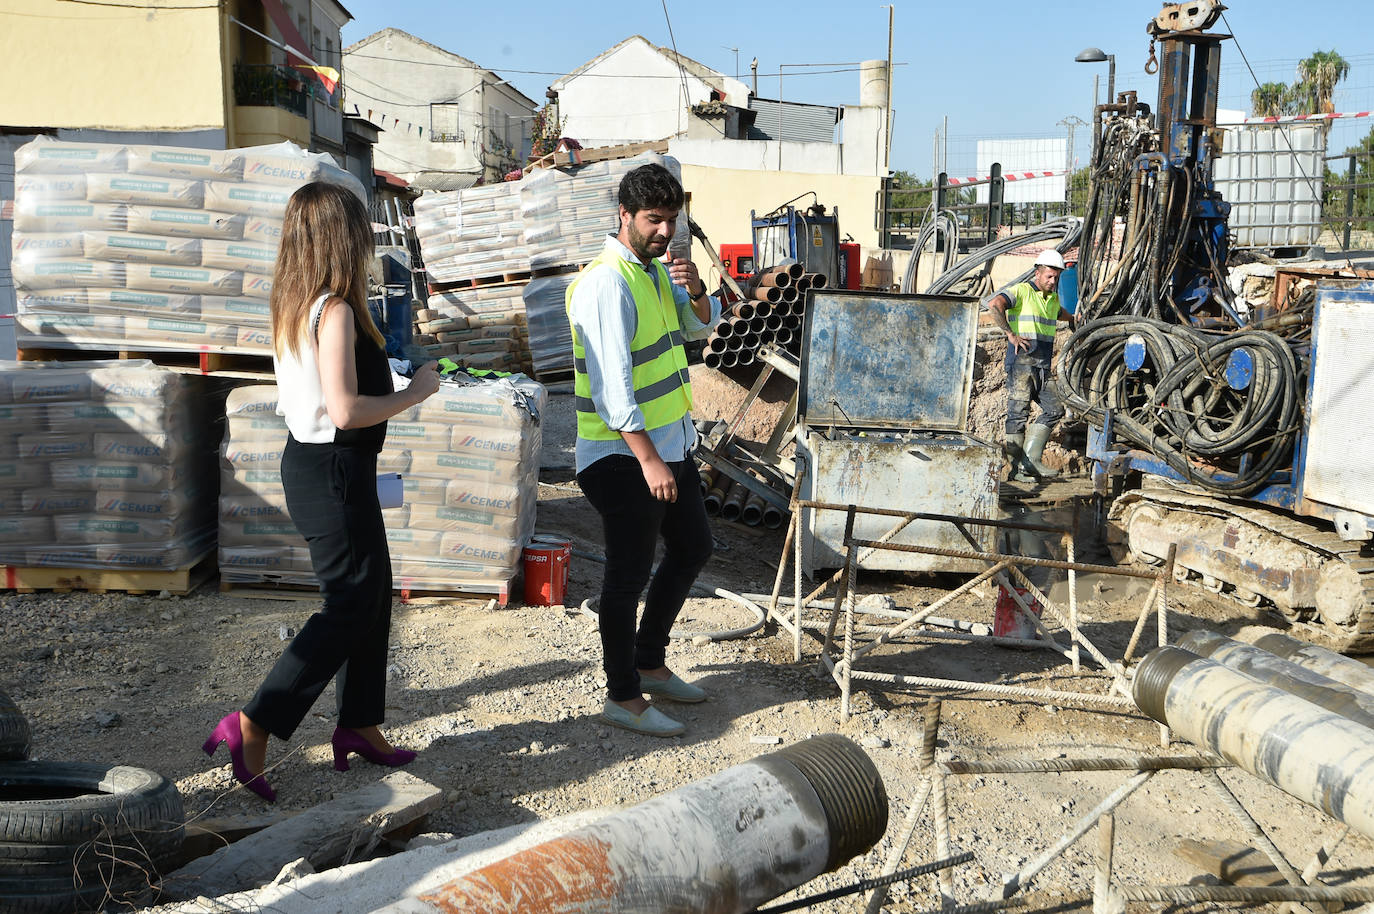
[271, 86]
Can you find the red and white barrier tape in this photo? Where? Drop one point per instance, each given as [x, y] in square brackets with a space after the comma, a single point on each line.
[1007, 176]
[1298, 118]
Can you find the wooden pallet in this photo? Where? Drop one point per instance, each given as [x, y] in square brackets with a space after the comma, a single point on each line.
[481, 590]
[179, 581]
[203, 362]
[517, 278]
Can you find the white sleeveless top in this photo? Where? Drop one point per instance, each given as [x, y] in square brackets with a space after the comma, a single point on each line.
[300, 396]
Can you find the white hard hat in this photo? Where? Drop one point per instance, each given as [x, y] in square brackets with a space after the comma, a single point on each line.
[1050, 258]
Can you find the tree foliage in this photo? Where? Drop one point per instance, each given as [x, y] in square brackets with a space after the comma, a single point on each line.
[1311, 93]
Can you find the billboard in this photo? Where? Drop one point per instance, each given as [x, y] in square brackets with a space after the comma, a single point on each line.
[1025, 155]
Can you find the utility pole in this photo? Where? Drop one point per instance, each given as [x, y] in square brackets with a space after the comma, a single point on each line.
[887, 158]
[736, 50]
[1070, 122]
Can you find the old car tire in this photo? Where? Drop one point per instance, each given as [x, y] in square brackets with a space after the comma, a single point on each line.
[14, 731]
[73, 836]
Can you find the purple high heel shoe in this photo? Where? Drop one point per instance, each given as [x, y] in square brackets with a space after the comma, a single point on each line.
[345, 741]
[227, 731]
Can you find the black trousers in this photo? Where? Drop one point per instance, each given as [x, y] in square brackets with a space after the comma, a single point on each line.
[331, 492]
[632, 521]
[1028, 379]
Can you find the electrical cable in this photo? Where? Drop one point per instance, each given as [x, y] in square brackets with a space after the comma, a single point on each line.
[1065, 229]
[1178, 404]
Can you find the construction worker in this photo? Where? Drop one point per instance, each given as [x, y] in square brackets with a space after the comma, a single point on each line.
[1028, 313]
[630, 312]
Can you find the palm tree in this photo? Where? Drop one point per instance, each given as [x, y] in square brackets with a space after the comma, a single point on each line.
[1317, 78]
[1272, 100]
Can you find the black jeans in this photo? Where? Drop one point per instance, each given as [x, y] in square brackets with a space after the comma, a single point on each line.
[331, 492]
[632, 521]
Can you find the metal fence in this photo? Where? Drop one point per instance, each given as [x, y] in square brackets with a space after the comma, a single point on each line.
[1348, 201]
[903, 211]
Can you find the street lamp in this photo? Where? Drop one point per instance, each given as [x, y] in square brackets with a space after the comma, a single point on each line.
[1097, 55]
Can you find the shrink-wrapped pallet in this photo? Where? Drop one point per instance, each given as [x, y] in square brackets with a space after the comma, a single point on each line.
[106, 465]
[482, 327]
[569, 212]
[476, 233]
[469, 460]
[152, 247]
[547, 316]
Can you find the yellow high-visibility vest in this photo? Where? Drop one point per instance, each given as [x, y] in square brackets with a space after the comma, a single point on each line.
[663, 390]
[1034, 314]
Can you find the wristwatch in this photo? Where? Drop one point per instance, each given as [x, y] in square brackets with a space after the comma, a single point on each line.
[696, 295]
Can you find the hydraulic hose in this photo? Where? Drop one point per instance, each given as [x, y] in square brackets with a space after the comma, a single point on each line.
[1179, 405]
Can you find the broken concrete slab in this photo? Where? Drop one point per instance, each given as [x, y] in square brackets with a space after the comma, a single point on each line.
[343, 829]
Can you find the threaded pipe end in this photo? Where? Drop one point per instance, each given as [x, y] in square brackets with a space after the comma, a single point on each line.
[849, 788]
[1154, 675]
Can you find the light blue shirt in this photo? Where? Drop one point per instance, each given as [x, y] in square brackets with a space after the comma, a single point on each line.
[604, 313]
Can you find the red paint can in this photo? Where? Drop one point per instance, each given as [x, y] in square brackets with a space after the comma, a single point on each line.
[546, 561]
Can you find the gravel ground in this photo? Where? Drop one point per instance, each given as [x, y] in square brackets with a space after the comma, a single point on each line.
[503, 706]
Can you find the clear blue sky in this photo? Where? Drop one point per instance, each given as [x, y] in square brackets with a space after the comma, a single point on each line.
[997, 69]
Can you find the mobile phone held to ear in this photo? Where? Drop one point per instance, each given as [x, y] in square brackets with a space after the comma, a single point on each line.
[390, 491]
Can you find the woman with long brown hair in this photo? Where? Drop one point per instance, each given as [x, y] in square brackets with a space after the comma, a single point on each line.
[334, 389]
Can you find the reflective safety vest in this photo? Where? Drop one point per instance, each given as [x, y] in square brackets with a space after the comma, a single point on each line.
[663, 390]
[1033, 315]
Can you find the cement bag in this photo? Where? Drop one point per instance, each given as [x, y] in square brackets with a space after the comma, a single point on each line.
[185, 223]
[44, 155]
[241, 455]
[183, 279]
[259, 531]
[176, 332]
[243, 507]
[254, 339]
[469, 547]
[30, 246]
[261, 166]
[96, 531]
[50, 503]
[138, 382]
[464, 520]
[261, 230]
[130, 300]
[57, 301]
[421, 435]
[243, 256]
[95, 329]
[235, 310]
[141, 248]
[182, 162]
[411, 544]
[24, 474]
[36, 189]
[448, 465]
[10, 501]
[112, 418]
[33, 213]
[249, 199]
[46, 446]
[51, 555]
[256, 286]
[65, 273]
[146, 505]
[273, 562]
[496, 497]
[25, 529]
[174, 192]
[112, 446]
[116, 475]
[46, 384]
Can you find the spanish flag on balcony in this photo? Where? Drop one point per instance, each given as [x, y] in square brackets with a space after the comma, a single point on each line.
[328, 76]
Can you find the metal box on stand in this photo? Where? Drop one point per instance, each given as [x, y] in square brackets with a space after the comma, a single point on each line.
[882, 422]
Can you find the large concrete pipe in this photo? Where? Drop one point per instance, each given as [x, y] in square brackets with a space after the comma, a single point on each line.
[1306, 751]
[1320, 660]
[1258, 663]
[724, 844]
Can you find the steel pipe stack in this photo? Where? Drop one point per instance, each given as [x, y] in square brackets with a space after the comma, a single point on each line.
[772, 314]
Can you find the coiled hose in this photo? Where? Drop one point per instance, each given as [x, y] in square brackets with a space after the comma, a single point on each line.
[1178, 404]
[1065, 229]
[946, 226]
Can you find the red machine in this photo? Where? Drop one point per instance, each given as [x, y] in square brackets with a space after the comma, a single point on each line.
[738, 259]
